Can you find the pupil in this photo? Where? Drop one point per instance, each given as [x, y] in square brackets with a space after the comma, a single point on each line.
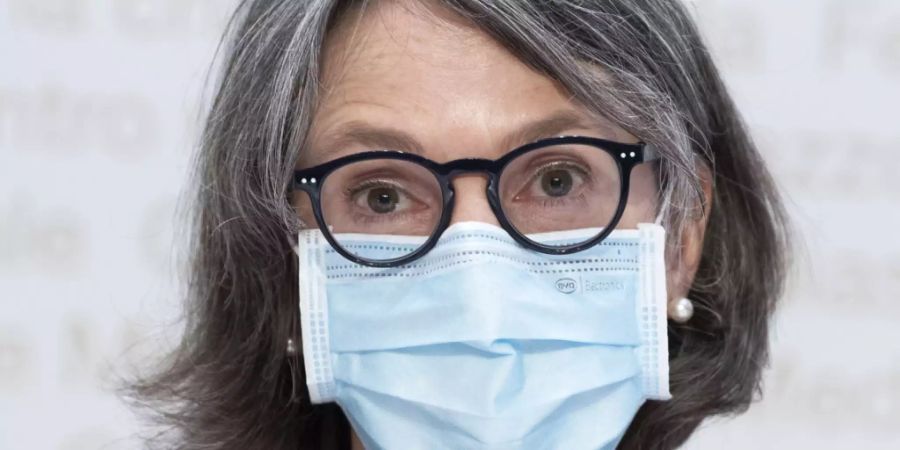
[556, 183]
[382, 200]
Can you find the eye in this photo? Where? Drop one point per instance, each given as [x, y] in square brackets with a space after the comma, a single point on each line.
[381, 197]
[555, 180]
[383, 200]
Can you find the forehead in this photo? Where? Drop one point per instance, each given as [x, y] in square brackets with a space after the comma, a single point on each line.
[414, 67]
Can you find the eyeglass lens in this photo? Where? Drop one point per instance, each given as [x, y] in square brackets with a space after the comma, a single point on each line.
[542, 192]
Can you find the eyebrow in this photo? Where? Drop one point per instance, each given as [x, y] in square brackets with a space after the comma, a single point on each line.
[388, 138]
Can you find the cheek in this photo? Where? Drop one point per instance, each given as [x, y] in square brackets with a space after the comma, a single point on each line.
[642, 197]
[303, 206]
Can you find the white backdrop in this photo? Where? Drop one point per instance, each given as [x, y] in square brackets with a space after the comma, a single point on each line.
[98, 102]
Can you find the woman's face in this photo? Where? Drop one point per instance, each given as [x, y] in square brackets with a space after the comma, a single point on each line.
[453, 91]
[422, 78]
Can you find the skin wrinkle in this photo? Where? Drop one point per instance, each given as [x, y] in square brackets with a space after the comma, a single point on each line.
[338, 138]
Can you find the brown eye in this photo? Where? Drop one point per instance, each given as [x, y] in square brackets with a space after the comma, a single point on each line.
[556, 182]
[383, 200]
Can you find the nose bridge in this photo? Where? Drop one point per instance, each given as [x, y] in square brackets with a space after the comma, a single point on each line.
[470, 179]
[469, 165]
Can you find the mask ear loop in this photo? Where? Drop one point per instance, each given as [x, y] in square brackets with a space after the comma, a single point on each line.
[659, 213]
[652, 154]
[674, 333]
[659, 217]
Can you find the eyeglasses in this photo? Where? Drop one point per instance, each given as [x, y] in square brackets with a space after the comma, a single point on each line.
[554, 184]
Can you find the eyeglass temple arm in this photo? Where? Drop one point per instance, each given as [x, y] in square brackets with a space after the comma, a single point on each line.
[650, 153]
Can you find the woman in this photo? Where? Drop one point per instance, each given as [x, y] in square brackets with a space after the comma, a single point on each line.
[319, 107]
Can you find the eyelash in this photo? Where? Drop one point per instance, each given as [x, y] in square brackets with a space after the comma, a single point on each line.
[564, 165]
[352, 192]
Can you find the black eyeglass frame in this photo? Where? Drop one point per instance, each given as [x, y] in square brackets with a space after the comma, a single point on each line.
[626, 156]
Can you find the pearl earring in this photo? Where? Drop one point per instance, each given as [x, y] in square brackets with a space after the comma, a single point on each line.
[291, 349]
[683, 310]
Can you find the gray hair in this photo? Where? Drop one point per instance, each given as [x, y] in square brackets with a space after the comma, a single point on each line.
[640, 63]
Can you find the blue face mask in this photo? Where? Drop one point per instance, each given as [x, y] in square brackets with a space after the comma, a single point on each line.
[482, 344]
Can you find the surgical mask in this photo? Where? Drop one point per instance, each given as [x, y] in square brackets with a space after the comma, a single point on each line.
[483, 344]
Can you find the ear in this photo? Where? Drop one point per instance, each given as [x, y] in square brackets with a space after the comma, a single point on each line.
[681, 275]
